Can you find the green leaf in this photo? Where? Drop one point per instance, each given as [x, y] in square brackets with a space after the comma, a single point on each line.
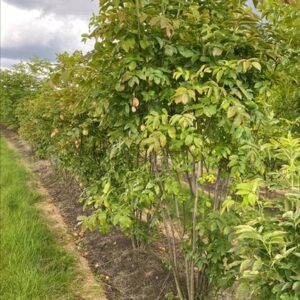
[119, 87]
[132, 66]
[250, 236]
[227, 204]
[237, 120]
[128, 44]
[256, 65]
[172, 132]
[217, 51]
[163, 140]
[219, 75]
[210, 110]
[125, 222]
[170, 50]
[134, 80]
[232, 110]
[198, 142]
[145, 44]
[257, 265]
[246, 65]
[185, 52]
[189, 140]
[106, 187]
[246, 264]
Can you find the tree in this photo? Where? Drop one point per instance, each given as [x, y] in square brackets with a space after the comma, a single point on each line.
[17, 85]
[174, 124]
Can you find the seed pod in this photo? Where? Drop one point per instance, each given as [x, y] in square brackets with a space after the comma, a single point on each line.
[168, 32]
[54, 133]
[62, 117]
[77, 144]
[133, 109]
[135, 102]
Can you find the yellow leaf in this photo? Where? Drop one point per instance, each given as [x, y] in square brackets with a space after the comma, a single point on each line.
[217, 51]
[246, 65]
[184, 98]
[256, 65]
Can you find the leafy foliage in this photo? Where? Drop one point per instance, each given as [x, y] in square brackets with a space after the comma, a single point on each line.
[17, 85]
[174, 125]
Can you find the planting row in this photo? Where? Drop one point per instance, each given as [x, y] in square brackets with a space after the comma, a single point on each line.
[183, 124]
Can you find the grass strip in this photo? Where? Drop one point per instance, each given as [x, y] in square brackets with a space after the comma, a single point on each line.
[32, 264]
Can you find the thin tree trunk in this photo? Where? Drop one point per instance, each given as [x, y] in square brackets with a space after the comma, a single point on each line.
[217, 187]
[194, 224]
[172, 250]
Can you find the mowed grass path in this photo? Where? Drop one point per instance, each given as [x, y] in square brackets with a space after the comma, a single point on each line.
[32, 264]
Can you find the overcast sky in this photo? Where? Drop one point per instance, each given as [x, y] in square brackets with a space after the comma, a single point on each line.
[43, 28]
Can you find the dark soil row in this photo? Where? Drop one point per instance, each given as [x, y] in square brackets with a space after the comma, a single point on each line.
[125, 273]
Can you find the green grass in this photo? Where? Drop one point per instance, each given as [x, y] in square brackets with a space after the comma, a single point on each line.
[32, 264]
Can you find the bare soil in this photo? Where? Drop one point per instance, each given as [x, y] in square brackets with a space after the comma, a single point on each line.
[125, 273]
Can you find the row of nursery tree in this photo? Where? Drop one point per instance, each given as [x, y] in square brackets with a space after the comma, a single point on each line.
[182, 124]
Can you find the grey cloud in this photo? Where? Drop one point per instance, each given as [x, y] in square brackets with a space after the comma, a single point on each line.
[7, 63]
[43, 37]
[69, 7]
[81, 8]
[48, 50]
[27, 52]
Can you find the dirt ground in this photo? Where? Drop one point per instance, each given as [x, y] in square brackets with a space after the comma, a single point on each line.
[125, 273]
